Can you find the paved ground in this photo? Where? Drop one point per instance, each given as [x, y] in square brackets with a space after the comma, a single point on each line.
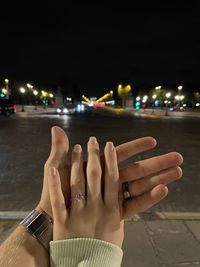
[159, 243]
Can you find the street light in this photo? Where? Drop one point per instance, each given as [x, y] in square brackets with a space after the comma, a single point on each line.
[180, 87]
[51, 95]
[154, 98]
[168, 95]
[29, 86]
[44, 95]
[4, 91]
[35, 92]
[7, 88]
[158, 87]
[22, 91]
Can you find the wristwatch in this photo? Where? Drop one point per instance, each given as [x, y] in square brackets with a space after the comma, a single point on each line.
[39, 224]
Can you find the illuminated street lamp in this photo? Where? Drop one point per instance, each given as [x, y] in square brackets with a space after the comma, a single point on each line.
[29, 86]
[44, 95]
[35, 92]
[168, 95]
[7, 88]
[154, 98]
[158, 87]
[51, 95]
[4, 91]
[180, 87]
[22, 91]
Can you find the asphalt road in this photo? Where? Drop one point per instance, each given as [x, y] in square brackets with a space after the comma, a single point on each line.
[25, 144]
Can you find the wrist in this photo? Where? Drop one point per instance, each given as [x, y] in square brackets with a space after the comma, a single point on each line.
[40, 226]
[47, 212]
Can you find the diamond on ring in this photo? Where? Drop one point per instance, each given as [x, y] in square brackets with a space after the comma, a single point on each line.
[78, 197]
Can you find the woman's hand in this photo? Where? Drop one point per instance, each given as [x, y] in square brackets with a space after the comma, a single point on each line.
[99, 214]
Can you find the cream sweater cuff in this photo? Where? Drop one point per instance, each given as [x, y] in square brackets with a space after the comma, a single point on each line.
[84, 252]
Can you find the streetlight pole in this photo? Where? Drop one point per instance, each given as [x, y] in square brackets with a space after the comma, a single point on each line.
[44, 95]
[7, 88]
[168, 95]
[22, 90]
[154, 98]
[35, 92]
[180, 87]
[30, 87]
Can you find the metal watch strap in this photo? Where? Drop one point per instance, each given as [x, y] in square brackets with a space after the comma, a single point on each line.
[40, 226]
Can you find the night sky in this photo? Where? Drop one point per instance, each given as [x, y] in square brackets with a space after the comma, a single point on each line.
[92, 47]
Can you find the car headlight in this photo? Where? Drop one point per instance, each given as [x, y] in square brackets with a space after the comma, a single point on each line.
[58, 110]
[65, 110]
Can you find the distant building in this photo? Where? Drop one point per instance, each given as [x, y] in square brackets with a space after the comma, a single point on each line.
[59, 97]
[128, 101]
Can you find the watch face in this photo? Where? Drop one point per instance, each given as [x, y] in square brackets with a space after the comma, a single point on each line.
[38, 225]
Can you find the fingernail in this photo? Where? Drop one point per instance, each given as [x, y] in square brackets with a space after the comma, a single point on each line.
[77, 148]
[92, 140]
[52, 171]
[110, 145]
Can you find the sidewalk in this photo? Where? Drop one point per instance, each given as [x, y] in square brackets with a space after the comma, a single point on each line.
[152, 243]
[40, 109]
[162, 113]
[162, 243]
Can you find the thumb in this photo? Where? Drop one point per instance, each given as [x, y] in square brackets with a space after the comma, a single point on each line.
[59, 144]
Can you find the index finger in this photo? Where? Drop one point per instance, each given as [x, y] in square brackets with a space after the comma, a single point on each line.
[129, 149]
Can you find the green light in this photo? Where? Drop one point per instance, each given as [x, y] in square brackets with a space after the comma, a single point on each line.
[137, 105]
[2, 95]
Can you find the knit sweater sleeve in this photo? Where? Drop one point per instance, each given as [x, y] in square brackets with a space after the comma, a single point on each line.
[84, 252]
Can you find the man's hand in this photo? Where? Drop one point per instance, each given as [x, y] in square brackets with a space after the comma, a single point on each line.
[148, 178]
[57, 159]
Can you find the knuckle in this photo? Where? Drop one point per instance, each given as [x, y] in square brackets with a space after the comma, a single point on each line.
[76, 180]
[142, 170]
[113, 175]
[55, 202]
[95, 172]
